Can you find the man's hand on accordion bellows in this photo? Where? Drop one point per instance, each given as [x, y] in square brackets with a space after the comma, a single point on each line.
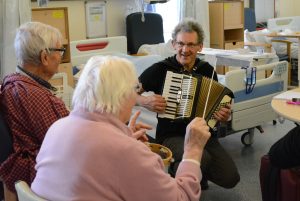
[155, 103]
[197, 134]
[223, 114]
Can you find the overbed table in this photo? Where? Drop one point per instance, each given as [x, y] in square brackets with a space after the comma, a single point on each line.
[296, 35]
[288, 111]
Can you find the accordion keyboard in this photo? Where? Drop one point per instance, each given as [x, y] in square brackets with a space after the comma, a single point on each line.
[188, 89]
[179, 91]
[187, 96]
[171, 94]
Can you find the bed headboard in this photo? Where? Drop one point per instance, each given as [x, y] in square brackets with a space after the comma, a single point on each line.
[282, 23]
[82, 50]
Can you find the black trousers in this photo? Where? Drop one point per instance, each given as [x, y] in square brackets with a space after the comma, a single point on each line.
[1, 191]
[216, 165]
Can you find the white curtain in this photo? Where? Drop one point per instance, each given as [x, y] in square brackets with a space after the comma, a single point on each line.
[12, 14]
[199, 10]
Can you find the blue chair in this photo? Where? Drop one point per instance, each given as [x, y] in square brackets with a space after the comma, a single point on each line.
[249, 19]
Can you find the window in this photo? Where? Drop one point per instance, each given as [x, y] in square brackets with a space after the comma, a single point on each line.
[170, 14]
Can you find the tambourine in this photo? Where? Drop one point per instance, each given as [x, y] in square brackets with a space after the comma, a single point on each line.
[164, 152]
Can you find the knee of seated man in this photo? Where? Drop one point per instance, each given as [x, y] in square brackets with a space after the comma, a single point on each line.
[230, 181]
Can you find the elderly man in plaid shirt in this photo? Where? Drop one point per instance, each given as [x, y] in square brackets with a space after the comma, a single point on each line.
[27, 100]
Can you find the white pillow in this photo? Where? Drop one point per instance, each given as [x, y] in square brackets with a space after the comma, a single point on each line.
[248, 37]
[260, 36]
[163, 49]
[280, 48]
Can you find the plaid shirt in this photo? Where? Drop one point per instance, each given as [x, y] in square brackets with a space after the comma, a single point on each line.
[29, 109]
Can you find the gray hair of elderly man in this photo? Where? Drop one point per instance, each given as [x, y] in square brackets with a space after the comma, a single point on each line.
[105, 84]
[31, 39]
[189, 25]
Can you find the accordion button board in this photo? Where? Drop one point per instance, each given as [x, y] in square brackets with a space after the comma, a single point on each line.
[186, 97]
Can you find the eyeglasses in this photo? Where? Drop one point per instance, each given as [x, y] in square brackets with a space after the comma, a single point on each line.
[189, 45]
[61, 50]
[137, 88]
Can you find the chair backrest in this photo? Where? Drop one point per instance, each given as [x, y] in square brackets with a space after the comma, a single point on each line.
[249, 19]
[278, 184]
[140, 32]
[25, 193]
[6, 144]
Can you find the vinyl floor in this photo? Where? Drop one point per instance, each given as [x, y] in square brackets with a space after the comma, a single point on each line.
[248, 163]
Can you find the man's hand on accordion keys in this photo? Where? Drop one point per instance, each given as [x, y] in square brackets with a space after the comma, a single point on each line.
[223, 114]
[155, 103]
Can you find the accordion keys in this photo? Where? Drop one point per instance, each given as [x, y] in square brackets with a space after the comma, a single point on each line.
[186, 97]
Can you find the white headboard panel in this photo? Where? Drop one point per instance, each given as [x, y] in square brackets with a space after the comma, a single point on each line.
[280, 24]
[82, 50]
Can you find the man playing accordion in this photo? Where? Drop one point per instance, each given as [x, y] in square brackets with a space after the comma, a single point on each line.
[216, 164]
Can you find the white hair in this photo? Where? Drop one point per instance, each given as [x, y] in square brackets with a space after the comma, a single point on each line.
[105, 84]
[32, 38]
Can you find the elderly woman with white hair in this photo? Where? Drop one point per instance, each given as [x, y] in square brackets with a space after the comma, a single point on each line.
[93, 155]
[27, 100]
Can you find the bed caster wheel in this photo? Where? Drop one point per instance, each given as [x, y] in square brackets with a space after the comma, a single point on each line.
[274, 122]
[247, 139]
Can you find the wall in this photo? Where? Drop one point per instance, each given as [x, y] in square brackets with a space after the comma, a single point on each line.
[264, 10]
[288, 8]
[117, 11]
[246, 3]
[284, 8]
[76, 15]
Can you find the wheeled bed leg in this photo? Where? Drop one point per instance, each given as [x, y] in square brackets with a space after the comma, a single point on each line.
[248, 137]
[260, 129]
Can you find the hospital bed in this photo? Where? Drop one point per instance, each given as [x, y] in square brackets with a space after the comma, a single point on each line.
[283, 23]
[278, 26]
[249, 110]
[284, 41]
[253, 108]
[286, 26]
[82, 50]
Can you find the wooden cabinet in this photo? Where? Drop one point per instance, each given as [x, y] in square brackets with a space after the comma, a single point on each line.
[226, 20]
[56, 17]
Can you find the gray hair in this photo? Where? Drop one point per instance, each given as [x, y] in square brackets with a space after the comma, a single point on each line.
[32, 38]
[189, 25]
[105, 84]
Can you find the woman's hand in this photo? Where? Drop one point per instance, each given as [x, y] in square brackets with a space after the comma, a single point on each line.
[197, 134]
[138, 129]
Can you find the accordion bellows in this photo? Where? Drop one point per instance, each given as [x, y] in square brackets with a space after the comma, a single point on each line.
[186, 97]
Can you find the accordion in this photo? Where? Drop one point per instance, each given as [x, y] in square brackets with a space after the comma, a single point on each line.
[186, 97]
